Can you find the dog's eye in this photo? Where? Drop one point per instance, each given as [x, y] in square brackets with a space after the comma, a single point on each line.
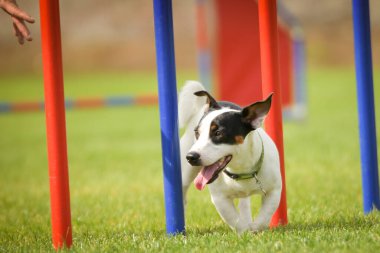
[196, 132]
[218, 133]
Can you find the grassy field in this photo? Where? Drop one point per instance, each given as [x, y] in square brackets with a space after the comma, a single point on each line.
[116, 176]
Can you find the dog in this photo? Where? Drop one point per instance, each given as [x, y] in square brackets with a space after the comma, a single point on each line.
[224, 147]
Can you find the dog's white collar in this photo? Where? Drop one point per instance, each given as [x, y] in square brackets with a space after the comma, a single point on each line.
[255, 170]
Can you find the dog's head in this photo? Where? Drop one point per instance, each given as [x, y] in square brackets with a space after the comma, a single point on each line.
[219, 133]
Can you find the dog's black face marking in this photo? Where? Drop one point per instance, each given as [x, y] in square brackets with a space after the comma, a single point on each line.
[196, 132]
[232, 127]
[222, 104]
[229, 128]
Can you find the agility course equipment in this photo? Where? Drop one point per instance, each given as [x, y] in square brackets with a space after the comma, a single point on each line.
[81, 103]
[55, 123]
[267, 14]
[203, 45]
[366, 105]
[295, 62]
[236, 72]
[167, 93]
[270, 78]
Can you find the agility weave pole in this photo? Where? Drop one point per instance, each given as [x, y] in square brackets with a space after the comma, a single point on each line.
[300, 97]
[366, 105]
[298, 109]
[55, 124]
[167, 96]
[270, 80]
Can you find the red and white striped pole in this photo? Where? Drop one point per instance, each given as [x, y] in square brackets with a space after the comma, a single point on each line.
[55, 123]
[271, 83]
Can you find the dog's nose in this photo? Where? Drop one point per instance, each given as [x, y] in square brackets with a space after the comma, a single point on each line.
[193, 158]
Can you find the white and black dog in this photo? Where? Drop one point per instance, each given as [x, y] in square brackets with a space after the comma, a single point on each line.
[224, 146]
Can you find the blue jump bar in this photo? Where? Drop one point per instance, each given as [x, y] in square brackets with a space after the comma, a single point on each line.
[119, 101]
[365, 96]
[167, 95]
[5, 107]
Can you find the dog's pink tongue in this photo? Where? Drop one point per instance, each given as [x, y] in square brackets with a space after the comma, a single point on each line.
[200, 181]
[204, 176]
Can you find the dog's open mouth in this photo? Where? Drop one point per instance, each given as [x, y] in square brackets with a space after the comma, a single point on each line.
[209, 173]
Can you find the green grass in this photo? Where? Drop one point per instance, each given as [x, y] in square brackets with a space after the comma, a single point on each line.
[116, 176]
[30, 88]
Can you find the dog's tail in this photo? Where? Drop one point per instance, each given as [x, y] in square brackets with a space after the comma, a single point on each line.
[189, 104]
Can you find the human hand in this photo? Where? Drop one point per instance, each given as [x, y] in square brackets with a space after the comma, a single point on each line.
[19, 17]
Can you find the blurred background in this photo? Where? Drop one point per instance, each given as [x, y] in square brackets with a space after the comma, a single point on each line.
[118, 35]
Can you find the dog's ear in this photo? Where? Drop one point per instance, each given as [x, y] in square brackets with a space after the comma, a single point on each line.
[210, 100]
[255, 113]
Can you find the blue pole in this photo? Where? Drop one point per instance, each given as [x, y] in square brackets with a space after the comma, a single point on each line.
[367, 128]
[299, 71]
[167, 93]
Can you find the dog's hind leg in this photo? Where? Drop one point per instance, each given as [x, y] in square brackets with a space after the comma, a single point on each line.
[269, 205]
[245, 209]
[227, 211]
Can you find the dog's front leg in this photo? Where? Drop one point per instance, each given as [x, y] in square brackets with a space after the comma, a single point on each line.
[269, 205]
[188, 172]
[245, 209]
[227, 211]
[188, 175]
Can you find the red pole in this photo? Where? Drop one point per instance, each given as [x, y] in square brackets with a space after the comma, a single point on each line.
[55, 123]
[270, 80]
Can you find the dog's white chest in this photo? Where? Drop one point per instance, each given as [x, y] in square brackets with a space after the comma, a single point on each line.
[235, 189]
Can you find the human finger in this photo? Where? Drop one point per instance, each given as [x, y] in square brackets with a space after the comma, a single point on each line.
[17, 33]
[15, 11]
[22, 28]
